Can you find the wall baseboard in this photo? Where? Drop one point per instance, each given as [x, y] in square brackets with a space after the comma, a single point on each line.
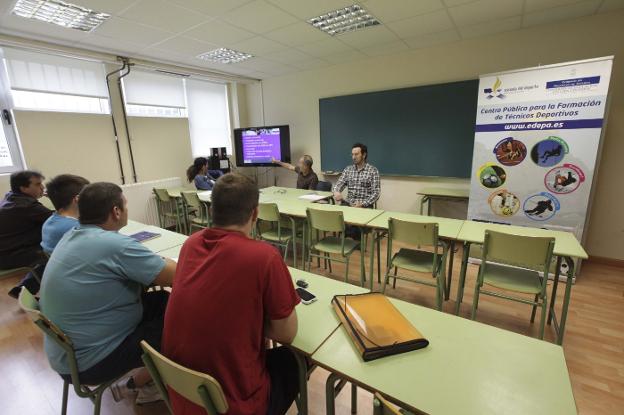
[613, 262]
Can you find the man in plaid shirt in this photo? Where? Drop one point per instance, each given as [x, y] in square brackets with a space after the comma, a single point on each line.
[360, 178]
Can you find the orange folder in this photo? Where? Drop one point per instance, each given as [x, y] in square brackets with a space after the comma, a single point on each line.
[375, 325]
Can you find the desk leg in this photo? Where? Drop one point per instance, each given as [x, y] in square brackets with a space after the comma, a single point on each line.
[302, 402]
[566, 301]
[372, 258]
[462, 277]
[449, 277]
[362, 253]
[423, 200]
[294, 240]
[553, 295]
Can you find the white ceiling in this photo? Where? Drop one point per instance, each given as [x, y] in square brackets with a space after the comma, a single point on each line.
[276, 32]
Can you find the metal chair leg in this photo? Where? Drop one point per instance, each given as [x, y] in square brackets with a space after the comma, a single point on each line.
[534, 308]
[65, 398]
[353, 398]
[98, 402]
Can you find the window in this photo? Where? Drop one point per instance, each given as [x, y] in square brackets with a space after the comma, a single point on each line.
[150, 94]
[53, 83]
[10, 152]
[209, 120]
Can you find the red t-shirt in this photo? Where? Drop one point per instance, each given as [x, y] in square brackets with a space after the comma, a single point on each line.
[226, 287]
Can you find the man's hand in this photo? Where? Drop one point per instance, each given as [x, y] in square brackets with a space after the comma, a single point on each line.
[357, 205]
[337, 196]
[273, 160]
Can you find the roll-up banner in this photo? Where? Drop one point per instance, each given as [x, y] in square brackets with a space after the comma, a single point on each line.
[537, 138]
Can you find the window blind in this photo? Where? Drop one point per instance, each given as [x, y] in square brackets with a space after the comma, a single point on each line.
[209, 121]
[40, 72]
[154, 89]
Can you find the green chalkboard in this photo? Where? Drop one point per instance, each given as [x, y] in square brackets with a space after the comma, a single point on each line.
[419, 131]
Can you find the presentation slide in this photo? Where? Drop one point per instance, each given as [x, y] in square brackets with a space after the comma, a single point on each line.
[261, 145]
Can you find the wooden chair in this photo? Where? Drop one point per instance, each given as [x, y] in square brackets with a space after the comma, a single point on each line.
[417, 260]
[199, 388]
[513, 263]
[30, 305]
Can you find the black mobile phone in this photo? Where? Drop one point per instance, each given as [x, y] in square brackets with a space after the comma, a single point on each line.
[306, 296]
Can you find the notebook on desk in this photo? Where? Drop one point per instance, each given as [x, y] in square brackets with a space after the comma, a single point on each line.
[144, 236]
[375, 325]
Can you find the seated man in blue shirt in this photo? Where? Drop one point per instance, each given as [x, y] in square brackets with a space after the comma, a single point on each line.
[63, 191]
[92, 290]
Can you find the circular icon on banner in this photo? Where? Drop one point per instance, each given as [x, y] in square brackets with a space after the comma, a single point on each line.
[510, 152]
[504, 203]
[541, 206]
[492, 176]
[549, 152]
[564, 179]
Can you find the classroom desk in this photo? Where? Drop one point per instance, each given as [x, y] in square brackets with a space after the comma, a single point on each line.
[448, 229]
[171, 253]
[352, 216]
[566, 248]
[166, 240]
[431, 193]
[289, 193]
[317, 321]
[468, 368]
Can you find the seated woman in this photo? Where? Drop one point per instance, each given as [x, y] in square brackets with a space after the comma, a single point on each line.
[199, 174]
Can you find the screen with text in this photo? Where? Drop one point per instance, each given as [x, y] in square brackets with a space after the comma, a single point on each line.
[261, 145]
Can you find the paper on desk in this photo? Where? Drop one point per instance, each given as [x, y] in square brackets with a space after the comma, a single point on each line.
[312, 197]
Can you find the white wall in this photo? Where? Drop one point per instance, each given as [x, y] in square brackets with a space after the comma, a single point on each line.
[293, 99]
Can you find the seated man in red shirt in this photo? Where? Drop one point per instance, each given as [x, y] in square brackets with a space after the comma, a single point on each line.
[231, 293]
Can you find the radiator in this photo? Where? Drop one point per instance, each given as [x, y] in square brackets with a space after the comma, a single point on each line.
[141, 199]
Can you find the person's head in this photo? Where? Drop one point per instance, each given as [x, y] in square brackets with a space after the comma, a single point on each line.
[63, 191]
[305, 163]
[28, 182]
[234, 202]
[103, 204]
[199, 166]
[359, 153]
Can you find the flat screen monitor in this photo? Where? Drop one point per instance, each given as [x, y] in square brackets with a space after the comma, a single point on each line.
[258, 146]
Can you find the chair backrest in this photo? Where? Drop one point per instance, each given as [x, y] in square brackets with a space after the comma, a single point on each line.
[197, 387]
[268, 212]
[324, 186]
[191, 199]
[30, 305]
[326, 220]
[382, 407]
[162, 195]
[521, 251]
[413, 233]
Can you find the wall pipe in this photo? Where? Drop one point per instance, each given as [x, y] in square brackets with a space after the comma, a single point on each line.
[123, 177]
[125, 116]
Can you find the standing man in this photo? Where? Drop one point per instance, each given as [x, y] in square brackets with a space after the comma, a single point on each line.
[306, 177]
[231, 293]
[21, 219]
[361, 179]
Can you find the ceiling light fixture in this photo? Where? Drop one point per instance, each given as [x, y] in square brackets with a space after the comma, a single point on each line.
[225, 55]
[60, 13]
[344, 20]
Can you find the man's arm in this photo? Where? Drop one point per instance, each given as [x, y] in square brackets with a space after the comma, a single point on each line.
[39, 213]
[340, 185]
[165, 277]
[284, 330]
[314, 182]
[285, 165]
[375, 190]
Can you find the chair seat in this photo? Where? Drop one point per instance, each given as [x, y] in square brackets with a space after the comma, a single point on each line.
[333, 245]
[512, 279]
[199, 221]
[11, 271]
[273, 236]
[415, 260]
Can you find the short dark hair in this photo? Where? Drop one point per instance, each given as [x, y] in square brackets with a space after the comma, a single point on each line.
[307, 160]
[96, 202]
[234, 197]
[63, 188]
[22, 179]
[363, 149]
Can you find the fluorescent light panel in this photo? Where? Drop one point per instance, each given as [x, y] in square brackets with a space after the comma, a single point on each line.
[60, 13]
[344, 20]
[225, 55]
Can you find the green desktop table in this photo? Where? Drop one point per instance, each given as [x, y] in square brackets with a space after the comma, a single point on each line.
[448, 229]
[171, 253]
[431, 193]
[352, 216]
[289, 193]
[317, 321]
[566, 248]
[468, 368]
[166, 240]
